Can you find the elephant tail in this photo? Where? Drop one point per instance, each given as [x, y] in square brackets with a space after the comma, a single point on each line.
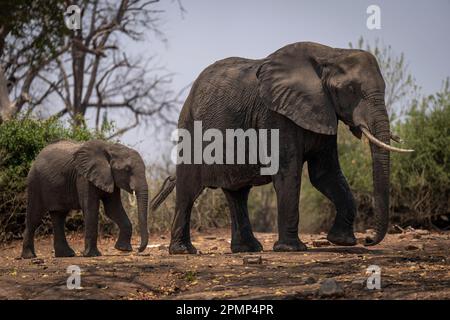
[163, 193]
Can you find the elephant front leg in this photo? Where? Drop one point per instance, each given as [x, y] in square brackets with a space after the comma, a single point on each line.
[287, 187]
[115, 211]
[326, 176]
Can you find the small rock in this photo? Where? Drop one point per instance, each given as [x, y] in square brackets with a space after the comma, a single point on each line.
[214, 248]
[210, 238]
[37, 261]
[330, 288]
[386, 283]
[411, 247]
[252, 260]
[163, 237]
[321, 243]
[423, 232]
[359, 283]
[305, 294]
[310, 280]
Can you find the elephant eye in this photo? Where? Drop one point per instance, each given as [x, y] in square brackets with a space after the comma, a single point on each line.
[127, 168]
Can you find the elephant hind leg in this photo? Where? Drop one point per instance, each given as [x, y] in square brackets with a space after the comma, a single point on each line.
[287, 184]
[242, 238]
[188, 189]
[35, 212]
[62, 248]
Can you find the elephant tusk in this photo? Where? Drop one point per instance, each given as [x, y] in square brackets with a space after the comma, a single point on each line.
[396, 138]
[380, 144]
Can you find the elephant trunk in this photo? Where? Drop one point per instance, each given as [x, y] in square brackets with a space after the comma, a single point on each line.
[142, 203]
[379, 129]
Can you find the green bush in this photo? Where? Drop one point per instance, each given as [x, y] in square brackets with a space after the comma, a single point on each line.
[421, 181]
[21, 140]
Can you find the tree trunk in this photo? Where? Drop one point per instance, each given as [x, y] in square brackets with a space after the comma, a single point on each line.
[78, 63]
[7, 108]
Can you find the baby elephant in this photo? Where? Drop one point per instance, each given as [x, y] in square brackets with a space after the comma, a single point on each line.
[71, 176]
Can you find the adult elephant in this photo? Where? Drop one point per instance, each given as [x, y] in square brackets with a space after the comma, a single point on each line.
[70, 176]
[302, 89]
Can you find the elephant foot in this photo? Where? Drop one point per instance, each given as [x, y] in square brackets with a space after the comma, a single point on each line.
[341, 237]
[247, 246]
[28, 254]
[64, 252]
[123, 246]
[289, 246]
[92, 253]
[182, 248]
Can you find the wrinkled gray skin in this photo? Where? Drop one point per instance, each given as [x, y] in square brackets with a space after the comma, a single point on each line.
[71, 176]
[302, 89]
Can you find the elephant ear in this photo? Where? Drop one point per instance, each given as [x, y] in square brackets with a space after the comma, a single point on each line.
[290, 84]
[91, 161]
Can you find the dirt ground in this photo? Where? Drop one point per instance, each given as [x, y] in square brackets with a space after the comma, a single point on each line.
[414, 265]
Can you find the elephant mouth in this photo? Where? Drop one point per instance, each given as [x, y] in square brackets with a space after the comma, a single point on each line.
[381, 144]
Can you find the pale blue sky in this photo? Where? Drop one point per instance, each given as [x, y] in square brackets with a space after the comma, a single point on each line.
[211, 30]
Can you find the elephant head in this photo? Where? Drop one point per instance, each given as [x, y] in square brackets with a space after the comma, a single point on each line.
[315, 86]
[110, 166]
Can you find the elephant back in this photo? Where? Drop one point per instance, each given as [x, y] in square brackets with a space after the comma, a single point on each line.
[225, 96]
[57, 153]
[52, 173]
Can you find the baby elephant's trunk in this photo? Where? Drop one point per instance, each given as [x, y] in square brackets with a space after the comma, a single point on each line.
[142, 202]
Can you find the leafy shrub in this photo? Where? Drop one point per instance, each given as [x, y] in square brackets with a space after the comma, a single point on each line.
[421, 181]
[21, 140]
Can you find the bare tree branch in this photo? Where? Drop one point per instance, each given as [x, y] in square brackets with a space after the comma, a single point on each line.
[104, 76]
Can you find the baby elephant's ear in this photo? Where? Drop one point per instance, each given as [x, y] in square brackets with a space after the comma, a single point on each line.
[290, 85]
[91, 161]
